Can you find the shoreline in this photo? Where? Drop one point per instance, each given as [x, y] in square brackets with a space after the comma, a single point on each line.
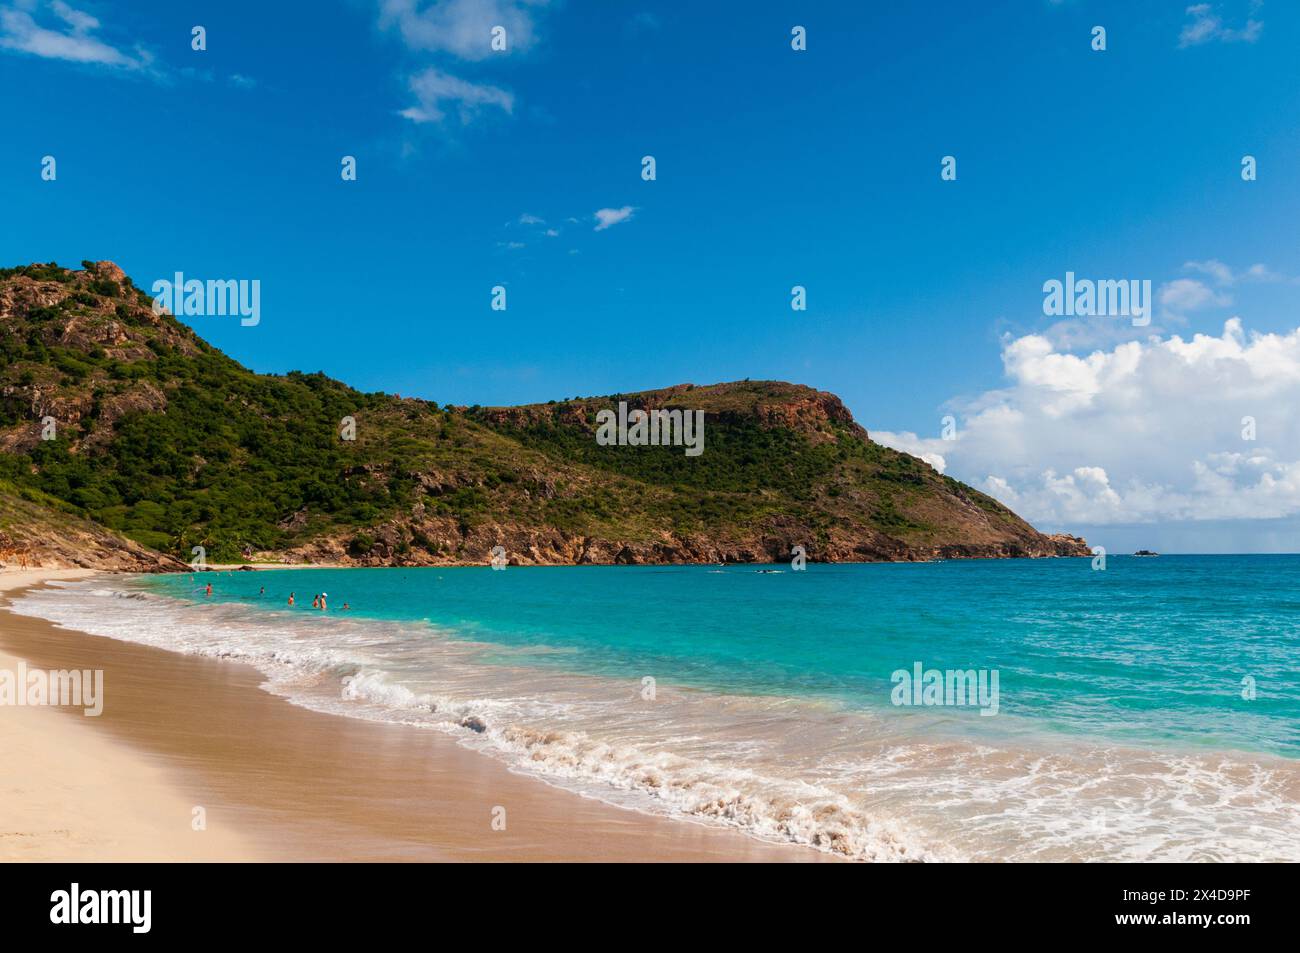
[460, 564]
[277, 781]
[76, 794]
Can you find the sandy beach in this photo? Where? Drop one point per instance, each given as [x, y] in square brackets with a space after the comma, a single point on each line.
[275, 781]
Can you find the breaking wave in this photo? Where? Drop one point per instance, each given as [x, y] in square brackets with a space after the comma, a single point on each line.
[782, 769]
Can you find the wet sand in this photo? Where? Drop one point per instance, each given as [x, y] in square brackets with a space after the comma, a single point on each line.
[278, 782]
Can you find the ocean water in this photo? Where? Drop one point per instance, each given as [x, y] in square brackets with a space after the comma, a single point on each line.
[1150, 711]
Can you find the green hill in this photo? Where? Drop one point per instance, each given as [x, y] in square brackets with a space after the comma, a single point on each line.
[37, 530]
[164, 439]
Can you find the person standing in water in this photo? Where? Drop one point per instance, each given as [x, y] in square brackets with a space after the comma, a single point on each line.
[291, 599]
[209, 592]
[315, 601]
[322, 599]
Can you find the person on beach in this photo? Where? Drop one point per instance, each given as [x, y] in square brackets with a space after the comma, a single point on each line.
[291, 600]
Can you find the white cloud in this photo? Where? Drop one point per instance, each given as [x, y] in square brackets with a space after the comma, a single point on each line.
[436, 92]
[1206, 26]
[1177, 299]
[462, 27]
[1076, 333]
[1214, 268]
[935, 460]
[70, 38]
[527, 219]
[1182, 295]
[607, 217]
[1261, 273]
[1147, 431]
[1224, 275]
[79, 20]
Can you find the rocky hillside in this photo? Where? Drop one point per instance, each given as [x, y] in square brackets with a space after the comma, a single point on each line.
[162, 439]
[39, 532]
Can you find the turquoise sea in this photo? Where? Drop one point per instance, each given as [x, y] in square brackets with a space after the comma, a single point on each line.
[1147, 711]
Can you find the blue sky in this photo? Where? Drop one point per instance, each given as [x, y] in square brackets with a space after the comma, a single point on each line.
[775, 168]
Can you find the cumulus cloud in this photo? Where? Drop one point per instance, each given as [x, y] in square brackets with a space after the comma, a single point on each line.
[62, 33]
[608, 217]
[437, 92]
[1146, 431]
[1206, 26]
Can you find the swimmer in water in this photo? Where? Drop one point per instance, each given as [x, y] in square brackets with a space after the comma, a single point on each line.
[346, 606]
[209, 589]
[262, 591]
[315, 601]
[322, 599]
[291, 598]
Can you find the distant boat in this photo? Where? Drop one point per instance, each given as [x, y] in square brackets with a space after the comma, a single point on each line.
[1145, 552]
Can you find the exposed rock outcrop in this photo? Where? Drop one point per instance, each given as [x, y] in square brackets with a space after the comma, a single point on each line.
[34, 535]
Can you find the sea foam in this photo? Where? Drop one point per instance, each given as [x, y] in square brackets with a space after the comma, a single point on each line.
[779, 768]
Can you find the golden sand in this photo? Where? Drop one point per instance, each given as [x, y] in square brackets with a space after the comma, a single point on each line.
[278, 782]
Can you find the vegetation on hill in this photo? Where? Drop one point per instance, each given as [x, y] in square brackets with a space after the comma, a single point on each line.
[38, 530]
[159, 436]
